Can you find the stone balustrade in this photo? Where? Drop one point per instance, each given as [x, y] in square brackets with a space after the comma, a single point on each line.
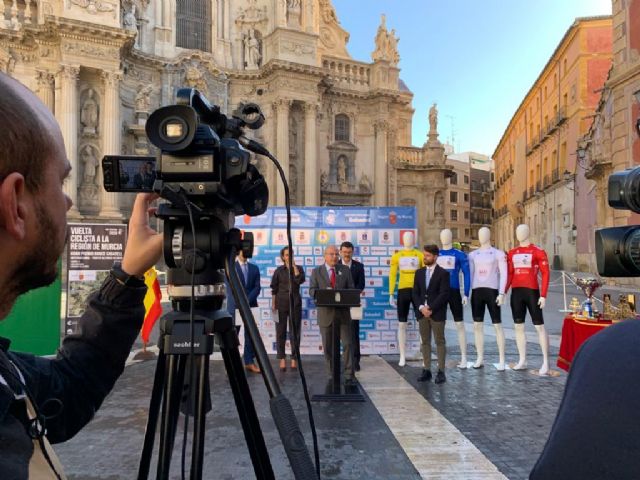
[347, 74]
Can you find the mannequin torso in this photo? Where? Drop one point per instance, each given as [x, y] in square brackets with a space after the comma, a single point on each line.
[488, 267]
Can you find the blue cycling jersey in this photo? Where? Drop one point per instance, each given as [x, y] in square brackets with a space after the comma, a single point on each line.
[454, 261]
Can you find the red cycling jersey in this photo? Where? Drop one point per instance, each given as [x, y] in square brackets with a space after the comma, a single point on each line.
[523, 265]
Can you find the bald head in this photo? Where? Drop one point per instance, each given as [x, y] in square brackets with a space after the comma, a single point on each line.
[29, 130]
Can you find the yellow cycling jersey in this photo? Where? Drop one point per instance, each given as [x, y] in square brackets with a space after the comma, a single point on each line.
[407, 261]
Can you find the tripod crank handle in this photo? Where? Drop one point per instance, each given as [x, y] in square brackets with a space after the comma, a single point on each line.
[292, 438]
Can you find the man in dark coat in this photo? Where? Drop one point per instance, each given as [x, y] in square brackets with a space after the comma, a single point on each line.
[357, 274]
[431, 292]
[250, 276]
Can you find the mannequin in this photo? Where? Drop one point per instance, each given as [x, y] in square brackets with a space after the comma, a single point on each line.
[455, 261]
[488, 267]
[524, 263]
[405, 262]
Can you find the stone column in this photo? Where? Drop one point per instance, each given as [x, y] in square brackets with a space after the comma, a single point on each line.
[46, 88]
[312, 179]
[380, 169]
[282, 145]
[67, 116]
[111, 135]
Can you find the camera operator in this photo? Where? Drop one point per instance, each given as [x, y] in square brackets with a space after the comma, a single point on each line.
[69, 389]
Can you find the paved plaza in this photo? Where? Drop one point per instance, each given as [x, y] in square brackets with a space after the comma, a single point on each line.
[481, 424]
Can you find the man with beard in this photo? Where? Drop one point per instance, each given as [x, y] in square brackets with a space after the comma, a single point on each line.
[60, 395]
[431, 291]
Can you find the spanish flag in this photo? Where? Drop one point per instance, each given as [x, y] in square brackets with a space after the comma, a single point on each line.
[152, 306]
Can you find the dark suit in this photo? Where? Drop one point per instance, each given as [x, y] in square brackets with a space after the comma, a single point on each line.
[357, 274]
[436, 296]
[252, 288]
[326, 315]
[280, 292]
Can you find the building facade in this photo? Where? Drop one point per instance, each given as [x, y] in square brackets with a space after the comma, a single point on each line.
[535, 160]
[612, 143]
[340, 128]
[458, 212]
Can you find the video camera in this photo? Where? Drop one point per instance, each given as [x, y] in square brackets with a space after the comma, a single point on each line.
[201, 153]
[618, 248]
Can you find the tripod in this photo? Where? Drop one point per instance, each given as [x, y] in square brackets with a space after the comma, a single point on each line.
[187, 335]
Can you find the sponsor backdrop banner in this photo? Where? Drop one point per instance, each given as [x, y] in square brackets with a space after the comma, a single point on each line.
[376, 234]
[91, 251]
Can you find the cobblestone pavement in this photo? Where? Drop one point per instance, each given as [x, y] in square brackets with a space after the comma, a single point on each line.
[507, 415]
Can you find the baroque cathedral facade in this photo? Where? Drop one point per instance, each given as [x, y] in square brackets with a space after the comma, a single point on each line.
[341, 128]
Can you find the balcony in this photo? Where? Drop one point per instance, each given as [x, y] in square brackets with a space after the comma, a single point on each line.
[18, 13]
[547, 181]
[538, 186]
[347, 74]
[531, 192]
[555, 175]
[411, 155]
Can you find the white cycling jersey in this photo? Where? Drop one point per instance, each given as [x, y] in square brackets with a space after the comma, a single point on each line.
[488, 268]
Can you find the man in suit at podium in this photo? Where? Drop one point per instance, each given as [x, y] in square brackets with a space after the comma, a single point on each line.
[357, 274]
[250, 276]
[431, 292]
[334, 276]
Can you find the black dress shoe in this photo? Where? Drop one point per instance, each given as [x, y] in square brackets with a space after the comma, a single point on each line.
[440, 377]
[426, 376]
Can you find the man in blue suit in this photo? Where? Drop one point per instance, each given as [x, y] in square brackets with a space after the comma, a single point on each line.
[250, 276]
[357, 273]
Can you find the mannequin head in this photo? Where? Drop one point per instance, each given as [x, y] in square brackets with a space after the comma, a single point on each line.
[484, 237]
[446, 238]
[522, 233]
[408, 240]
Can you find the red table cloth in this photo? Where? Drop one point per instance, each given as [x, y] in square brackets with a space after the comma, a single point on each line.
[574, 332]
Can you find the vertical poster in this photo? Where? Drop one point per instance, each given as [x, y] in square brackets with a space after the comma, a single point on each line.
[375, 233]
[91, 251]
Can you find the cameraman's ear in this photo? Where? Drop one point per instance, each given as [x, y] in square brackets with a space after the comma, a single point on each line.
[12, 206]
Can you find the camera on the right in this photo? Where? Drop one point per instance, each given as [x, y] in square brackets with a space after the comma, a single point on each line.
[618, 248]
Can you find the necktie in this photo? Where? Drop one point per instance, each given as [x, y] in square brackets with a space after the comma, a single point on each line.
[428, 276]
[333, 278]
[245, 272]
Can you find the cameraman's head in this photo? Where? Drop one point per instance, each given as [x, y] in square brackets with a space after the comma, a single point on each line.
[33, 206]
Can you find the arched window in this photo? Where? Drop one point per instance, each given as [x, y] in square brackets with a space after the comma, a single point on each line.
[342, 128]
[193, 24]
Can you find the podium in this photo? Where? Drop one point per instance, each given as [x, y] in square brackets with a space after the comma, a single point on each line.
[334, 390]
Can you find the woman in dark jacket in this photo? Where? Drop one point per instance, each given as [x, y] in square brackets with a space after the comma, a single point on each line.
[280, 303]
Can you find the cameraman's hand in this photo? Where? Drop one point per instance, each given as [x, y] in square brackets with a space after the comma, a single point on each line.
[144, 245]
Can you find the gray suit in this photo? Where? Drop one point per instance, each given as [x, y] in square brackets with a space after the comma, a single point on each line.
[326, 315]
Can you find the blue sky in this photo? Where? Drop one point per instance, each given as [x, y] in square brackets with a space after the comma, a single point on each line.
[475, 58]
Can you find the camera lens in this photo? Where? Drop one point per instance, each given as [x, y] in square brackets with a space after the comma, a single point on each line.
[624, 190]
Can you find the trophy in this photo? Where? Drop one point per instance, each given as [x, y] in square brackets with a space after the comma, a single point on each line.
[589, 287]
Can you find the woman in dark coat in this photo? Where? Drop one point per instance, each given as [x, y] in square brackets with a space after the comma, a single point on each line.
[280, 303]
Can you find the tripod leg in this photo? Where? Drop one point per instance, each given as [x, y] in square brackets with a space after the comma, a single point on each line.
[246, 408]
[197, 457]
[152, 420]
[170, 411]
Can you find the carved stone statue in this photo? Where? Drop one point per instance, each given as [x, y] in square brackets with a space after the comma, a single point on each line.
[439, 205]
[365, 184]
[293, 13]
[433, 119]
[89, 113]
[342, 175]
[193, 78]
[252, 53]
[129, 20]
[328, 12]
[89, 165]
[386, 44]
[143, 100]
[323, 180]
